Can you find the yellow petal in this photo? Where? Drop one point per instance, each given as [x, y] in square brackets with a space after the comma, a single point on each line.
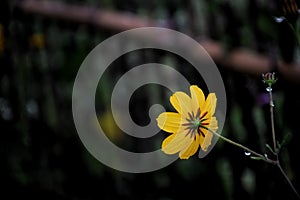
[169, 121]
[176, 143]
[213, 124]
[181, 102]
[167, 140]
[210, 104]
[191, 150]
[205, 141]
[198, 98]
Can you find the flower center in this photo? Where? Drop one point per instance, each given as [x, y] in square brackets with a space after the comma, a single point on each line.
[195, 122]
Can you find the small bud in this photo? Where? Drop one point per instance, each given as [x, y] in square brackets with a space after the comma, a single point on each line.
[269, 78]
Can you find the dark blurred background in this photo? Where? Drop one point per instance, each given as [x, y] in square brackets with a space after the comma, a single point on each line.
[42, 47]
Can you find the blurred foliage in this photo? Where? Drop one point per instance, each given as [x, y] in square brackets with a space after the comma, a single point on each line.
[41, 153]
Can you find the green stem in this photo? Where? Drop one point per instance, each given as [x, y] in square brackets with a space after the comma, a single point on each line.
[274, 162]
[272, 120]
[287, 179]
[275, 147]
[243, 147]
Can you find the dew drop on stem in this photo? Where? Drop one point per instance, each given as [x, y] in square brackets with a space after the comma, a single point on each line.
[269, 89]
[247, 153]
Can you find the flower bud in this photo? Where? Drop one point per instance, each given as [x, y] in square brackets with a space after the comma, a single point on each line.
[269, 78]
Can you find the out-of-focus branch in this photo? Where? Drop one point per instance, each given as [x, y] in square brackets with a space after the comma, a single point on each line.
[290, 71]
[84, 14]
[242, 60]
[247, 61]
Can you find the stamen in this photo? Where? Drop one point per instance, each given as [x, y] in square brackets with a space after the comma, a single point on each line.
[203, 115]
[187, 124]
[188, 132]
[191, 117]
[200, 132]
[202, 120]
[198, 113]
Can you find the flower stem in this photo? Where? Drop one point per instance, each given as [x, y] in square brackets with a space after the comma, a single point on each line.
[275, 147]
[288, 180]
[264, 158]
[243, 147]
[272, 120]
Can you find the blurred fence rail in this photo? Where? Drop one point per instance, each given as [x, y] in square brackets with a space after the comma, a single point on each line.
[240, 59]
[84, 14]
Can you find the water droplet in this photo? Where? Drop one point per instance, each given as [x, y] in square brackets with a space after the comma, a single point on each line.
[269, 89]
[279, 19]
[247, 153]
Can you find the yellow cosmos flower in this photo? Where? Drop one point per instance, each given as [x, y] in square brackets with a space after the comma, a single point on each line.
[189, 125]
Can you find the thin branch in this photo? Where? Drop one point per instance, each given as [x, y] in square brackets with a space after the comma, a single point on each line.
[243, 147]
[272, 119]
[107, 19]
[240, 59]
[288, 180]
[275, 150]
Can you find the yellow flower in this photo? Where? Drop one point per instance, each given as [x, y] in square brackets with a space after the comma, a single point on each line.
[37, 40]
[109, 126]
[190, 123]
